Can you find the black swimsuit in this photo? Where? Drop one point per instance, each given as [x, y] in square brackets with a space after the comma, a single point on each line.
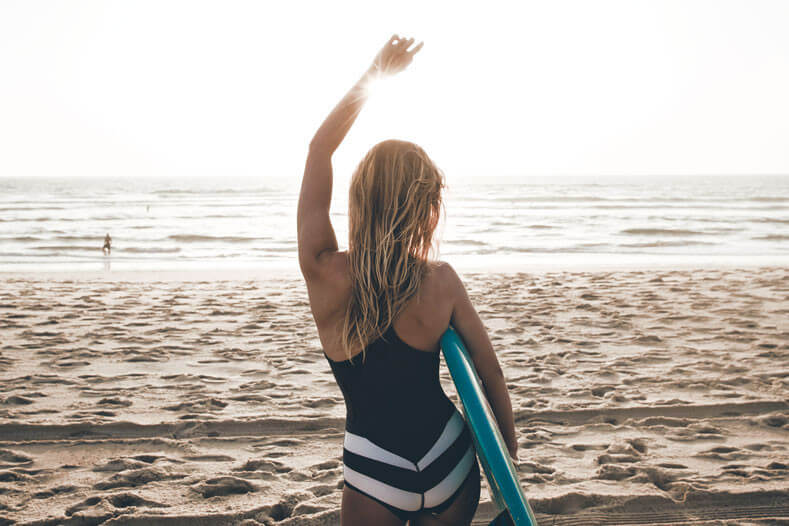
[406, 445]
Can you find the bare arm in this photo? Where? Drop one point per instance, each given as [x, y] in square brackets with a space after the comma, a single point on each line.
[468, 324]
[315, 232]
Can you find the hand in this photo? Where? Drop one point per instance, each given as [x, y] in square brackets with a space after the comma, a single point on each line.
[394, 57]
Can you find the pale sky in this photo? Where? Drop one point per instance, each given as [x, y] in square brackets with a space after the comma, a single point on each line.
[183, 88]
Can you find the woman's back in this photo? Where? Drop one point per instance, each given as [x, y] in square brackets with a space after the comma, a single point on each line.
[393, 396]
[406, 444]
[420, 325]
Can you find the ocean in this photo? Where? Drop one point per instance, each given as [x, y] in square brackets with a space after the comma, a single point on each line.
[54, 224]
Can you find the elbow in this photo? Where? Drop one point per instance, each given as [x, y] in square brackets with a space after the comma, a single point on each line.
[319, 146]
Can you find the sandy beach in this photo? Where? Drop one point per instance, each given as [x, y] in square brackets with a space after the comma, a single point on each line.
[640, 397]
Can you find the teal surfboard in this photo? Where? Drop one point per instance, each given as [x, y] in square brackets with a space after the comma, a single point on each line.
[491, 448]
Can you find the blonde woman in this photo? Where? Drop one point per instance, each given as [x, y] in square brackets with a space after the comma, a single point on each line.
[380, 308]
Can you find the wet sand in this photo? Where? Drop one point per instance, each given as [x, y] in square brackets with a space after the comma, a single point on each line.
[641, 397]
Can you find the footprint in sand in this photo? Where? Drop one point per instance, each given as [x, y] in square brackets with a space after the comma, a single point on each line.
[119, 464]
[724, 453]
[222, 486]
[114, 402]
[13, 476]
[286, 508]
[209, 458]
[137, 477]
[17, 400]
[627, 452]
[11, 458]
[263, 466]
[57, 490]
[90, 502]
[322, 489]
[109, 503]
[127, 500]
[615, 472]
[660, 478]
[779, 420]
[211, 404]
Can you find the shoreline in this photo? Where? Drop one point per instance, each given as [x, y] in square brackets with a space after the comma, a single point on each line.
[542, 264]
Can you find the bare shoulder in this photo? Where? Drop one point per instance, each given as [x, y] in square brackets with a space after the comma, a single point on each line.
[444, 281]
[445, 274]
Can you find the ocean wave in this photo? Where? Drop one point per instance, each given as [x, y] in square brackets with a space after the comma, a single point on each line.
[99, 238]
[70, 219]
[23, 208]
[216, 216]
[689, 206]
[654, 200]
[661, 232]
[773, 237]
[97, 248]
[767, 199]
[546, 250]
[656, 244]
[25, 219]
[778, 220]
[588, 248]
[196, 238]
[22, 238]
[151, 250]
[214, 191]
[92, 248]
[547, 199]
[473, 242]
[276, 249]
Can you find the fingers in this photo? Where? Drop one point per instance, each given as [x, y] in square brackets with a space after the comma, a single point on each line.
[404, 43]
[397, 54]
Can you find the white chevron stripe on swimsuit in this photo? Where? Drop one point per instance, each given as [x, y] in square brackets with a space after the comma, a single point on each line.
[405, 500]
[451, 431]
[444, 489]
[400, 498]
[361, 446]
[408, 500]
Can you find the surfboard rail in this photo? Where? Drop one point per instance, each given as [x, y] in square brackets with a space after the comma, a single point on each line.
[491, 448]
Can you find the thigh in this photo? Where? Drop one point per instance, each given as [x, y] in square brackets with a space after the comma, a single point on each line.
[463, 507]
[360, 510]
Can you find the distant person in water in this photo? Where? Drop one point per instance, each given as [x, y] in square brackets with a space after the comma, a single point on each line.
[107, 244]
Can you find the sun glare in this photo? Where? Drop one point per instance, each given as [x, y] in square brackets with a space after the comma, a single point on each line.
[372, 85]
[393, 108]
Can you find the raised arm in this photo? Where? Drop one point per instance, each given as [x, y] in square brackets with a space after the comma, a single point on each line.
[315, 233]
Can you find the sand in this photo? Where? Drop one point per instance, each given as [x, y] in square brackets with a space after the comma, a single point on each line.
[641, 397]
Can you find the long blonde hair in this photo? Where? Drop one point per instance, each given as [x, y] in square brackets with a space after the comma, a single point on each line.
[394, 207]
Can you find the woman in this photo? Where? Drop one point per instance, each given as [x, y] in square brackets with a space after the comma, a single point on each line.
[380, 309]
